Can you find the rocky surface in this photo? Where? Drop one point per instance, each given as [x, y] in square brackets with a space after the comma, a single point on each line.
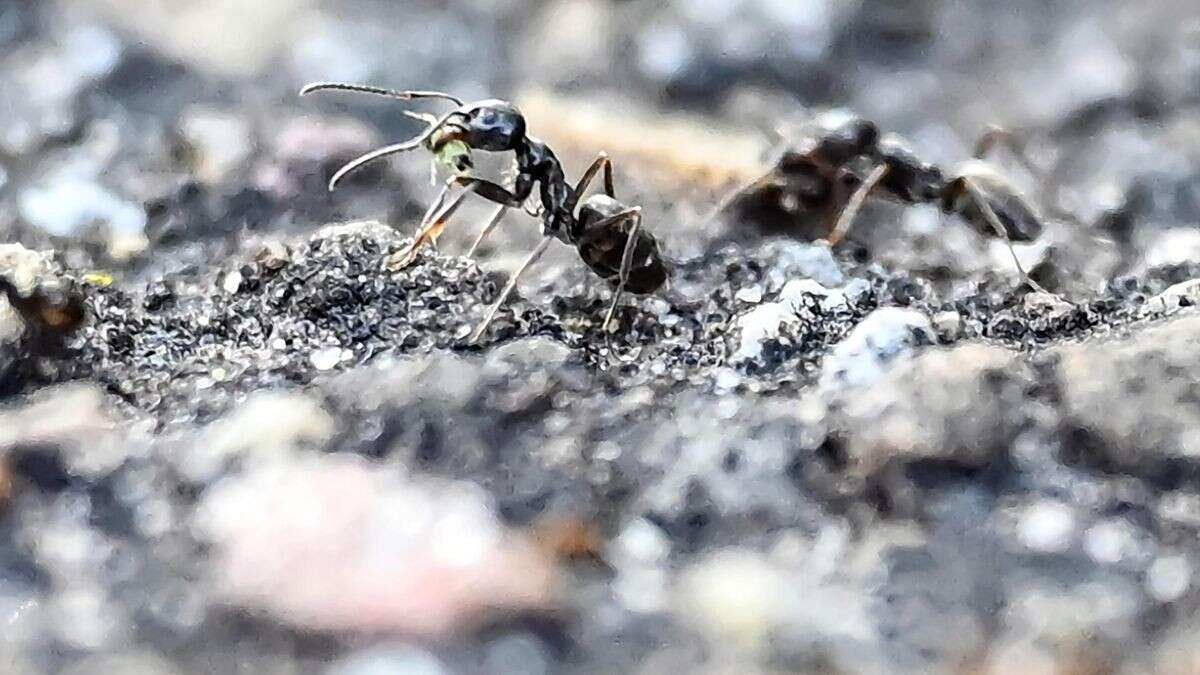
[264, 453]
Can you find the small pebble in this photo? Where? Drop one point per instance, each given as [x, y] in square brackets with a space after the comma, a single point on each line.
[326, 359]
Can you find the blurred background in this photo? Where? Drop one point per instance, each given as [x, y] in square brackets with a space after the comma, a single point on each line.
[173, 513]
[147, 108]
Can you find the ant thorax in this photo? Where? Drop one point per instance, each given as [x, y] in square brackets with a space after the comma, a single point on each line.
[909, 179]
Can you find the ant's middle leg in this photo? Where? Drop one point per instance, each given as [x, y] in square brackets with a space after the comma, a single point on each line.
[492, 222]
[848, 214]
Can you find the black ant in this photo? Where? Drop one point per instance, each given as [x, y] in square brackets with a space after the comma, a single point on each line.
[606, 233]
[843, 160]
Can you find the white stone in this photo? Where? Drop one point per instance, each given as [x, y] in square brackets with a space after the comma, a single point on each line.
[1169, 577]
[735, 596]
[1174, 297]
[642, 541]
[790, 310]
[266, 427]
[335, 542]
[326, 359]
[1176, 246]
[862, 358]
[1110, 541]
[65, 204]
[221, 142]
[1047, 527]
[386, 660]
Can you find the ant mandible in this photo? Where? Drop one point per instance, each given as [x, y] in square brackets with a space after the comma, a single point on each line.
[843, 160]
[606, 233]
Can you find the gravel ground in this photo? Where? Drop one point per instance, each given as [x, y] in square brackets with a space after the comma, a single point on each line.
[261, 453]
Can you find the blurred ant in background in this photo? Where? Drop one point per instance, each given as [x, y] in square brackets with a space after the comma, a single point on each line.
[51, 310]
[828, 175]
[606, 233]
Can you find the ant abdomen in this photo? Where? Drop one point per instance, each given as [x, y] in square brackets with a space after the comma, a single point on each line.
[603, 237]
[1018, 217]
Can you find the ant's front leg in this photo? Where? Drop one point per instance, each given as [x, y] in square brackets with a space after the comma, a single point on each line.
[432, 226]
[495, 192]
[436, 216]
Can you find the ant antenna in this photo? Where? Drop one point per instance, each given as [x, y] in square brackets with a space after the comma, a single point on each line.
[378, 91]
[410, 144]
[424, 117]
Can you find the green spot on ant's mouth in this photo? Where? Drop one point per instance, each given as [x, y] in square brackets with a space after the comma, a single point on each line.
[455, 155]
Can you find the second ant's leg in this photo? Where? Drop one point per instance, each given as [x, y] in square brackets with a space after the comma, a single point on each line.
[848, 214]
[626, 263]
[981, 203]
[510, 286]
[1048, 186]
[601, 160]
[491, 225]
[1000, 136]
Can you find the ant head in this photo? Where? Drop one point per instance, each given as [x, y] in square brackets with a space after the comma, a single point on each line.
[843, 135]
[492, 125]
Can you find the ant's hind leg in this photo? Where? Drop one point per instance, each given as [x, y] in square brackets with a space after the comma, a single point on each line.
[601, 160]
[848, 214]
[508, 287]
[626, 263]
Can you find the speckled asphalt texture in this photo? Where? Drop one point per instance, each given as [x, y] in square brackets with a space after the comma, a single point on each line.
[264, 453]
